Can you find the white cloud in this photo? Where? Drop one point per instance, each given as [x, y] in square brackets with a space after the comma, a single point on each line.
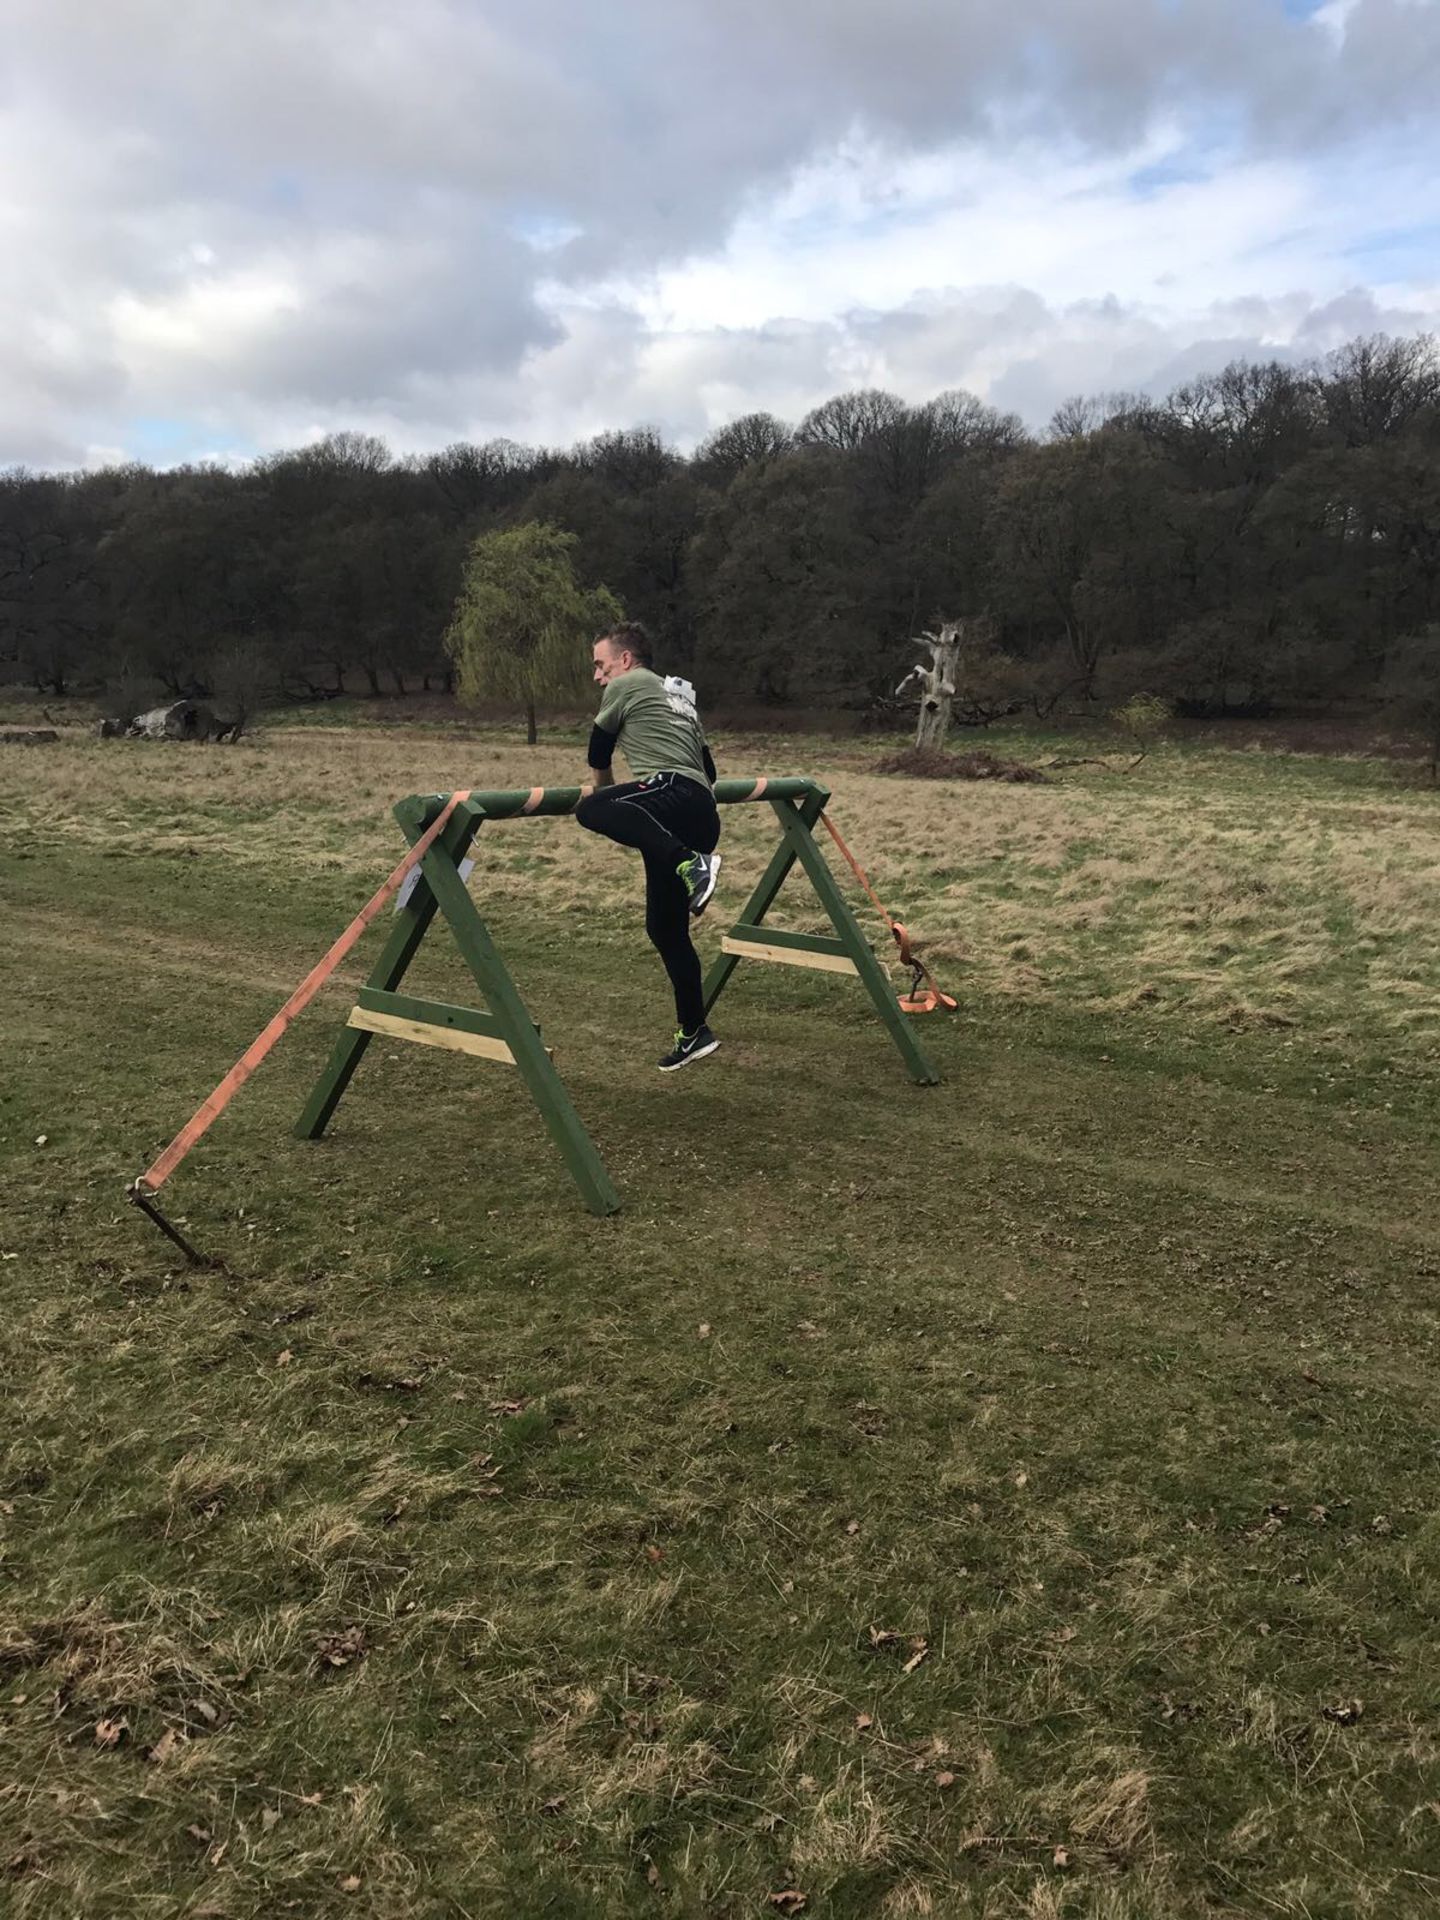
[211, 318]
[1334, 18]
[1007, 344]
[1070, 223]
[544, 217]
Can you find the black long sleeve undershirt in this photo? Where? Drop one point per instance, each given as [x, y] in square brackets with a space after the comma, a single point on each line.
[602, 748]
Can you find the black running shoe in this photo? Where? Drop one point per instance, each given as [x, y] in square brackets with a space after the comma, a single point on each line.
[688, 1047]
[700, 873]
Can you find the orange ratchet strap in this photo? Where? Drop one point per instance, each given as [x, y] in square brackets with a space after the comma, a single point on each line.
[922, 998]
[205, 1116]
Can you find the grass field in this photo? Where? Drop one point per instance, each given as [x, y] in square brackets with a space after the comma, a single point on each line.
[1016, 1498]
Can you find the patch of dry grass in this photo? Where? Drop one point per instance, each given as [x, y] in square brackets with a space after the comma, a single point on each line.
[1048, 1486]
[1212, 886]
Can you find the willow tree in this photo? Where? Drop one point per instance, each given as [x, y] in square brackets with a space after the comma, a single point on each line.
[523, 622]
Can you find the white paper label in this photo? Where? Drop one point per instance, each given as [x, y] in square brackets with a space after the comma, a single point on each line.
[412, 880]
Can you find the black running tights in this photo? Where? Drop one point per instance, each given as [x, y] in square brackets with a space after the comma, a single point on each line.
[667, 817]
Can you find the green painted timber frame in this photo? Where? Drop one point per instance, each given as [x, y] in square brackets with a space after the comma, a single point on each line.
[505, 1031]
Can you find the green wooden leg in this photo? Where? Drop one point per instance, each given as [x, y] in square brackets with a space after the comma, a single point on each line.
[760, 901]
[797, 833]
[513, 1020]
[411, 925]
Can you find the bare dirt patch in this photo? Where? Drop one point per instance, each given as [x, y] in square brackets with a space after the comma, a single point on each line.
[932, 763]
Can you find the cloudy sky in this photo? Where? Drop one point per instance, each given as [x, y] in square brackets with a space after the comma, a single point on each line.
[228, 226]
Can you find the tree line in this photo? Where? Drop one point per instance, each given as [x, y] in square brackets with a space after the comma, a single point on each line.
[1265, 537]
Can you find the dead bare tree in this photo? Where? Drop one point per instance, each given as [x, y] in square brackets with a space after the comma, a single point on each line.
[936, 682]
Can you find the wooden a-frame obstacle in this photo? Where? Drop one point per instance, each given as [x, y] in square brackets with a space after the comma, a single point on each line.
[505, 1032]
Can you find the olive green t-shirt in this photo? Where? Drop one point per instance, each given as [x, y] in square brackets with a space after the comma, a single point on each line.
[656, 724]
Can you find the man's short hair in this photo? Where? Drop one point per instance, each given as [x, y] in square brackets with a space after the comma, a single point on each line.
[628, 636]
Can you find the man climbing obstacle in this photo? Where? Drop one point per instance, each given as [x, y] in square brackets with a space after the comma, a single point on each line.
[667, 810]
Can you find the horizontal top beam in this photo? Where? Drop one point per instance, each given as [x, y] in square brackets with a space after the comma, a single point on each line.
[534, 801]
